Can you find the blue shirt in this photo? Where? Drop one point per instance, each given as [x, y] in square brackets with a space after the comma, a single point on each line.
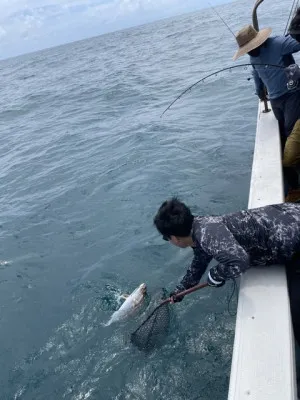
[274, 51]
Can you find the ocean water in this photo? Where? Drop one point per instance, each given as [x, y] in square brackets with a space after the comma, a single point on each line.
[85, 161]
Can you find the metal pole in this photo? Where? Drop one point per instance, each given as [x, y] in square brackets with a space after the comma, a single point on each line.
[256, 26]
[254, 14]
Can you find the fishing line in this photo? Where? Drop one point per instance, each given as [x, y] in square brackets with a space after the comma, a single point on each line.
[216, 73]
[224, 22]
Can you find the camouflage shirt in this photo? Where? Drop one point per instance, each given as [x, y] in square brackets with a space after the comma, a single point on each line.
[238, 241]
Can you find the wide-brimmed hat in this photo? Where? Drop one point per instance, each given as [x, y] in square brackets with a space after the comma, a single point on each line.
[249, 39]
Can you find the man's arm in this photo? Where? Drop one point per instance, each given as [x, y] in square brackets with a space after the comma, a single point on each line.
[289, 45]
[195, 271]
[219, 242]
[259, 86]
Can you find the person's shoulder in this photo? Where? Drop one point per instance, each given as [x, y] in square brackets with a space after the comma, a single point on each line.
[275, 40]
[207, 219]
[279, 40]
[272, 44]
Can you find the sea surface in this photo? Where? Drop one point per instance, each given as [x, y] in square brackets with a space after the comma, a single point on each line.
[85, 162]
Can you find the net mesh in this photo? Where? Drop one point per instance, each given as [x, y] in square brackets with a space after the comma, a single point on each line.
[153, 330]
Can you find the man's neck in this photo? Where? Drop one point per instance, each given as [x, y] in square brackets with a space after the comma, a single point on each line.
[190, 241]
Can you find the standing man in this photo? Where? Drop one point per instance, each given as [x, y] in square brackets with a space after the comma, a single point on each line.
[276, 50]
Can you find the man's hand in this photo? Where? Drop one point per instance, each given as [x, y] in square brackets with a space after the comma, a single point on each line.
[213, 282]
[177, 299]
[293, 72]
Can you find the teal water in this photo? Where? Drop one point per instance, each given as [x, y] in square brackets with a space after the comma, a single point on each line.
[85, 161]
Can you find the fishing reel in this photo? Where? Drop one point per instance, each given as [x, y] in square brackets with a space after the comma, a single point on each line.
[293, 76]
[292, 85]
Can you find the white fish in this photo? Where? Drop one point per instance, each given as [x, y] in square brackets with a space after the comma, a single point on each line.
[130, 305]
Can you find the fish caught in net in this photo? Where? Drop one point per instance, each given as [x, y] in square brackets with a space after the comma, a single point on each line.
[154, 329]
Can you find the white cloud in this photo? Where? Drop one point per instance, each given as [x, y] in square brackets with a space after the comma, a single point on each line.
[44, 23]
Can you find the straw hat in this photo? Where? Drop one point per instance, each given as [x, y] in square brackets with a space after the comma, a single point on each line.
[249, 39]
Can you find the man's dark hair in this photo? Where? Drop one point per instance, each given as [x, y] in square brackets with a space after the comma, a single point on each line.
[174, 218]
[294, 29]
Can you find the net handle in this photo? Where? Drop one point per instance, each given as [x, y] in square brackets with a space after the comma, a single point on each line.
[185, 292]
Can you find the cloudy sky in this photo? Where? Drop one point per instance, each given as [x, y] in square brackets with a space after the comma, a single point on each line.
[29, 25]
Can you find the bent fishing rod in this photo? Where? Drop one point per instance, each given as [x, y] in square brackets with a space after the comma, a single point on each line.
[216, 73]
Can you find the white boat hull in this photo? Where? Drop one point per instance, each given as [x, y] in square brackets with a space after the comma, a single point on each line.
[263, 363]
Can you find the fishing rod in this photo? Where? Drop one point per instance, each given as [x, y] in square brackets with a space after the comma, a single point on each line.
[293, 8]
[217, 72]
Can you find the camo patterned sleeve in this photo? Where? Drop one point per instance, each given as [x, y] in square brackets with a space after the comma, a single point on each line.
[195, 271]
[219, 243]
